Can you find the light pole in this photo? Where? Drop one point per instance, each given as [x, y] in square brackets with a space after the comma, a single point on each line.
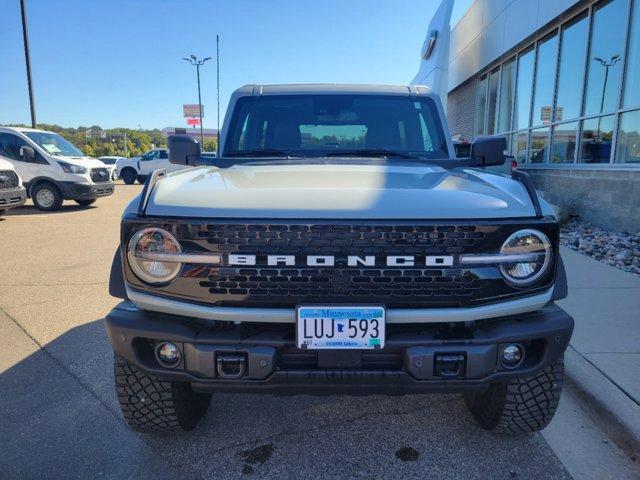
[27, 58]
[614, 59]
[193, 60]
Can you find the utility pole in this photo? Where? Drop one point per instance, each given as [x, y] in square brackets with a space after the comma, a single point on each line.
[218, 89]
[614, 59]
[27, 58]
[193, 60]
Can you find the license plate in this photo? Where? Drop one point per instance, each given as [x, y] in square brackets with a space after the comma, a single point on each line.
[340, 327]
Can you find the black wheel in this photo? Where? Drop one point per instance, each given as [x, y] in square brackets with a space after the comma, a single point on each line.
[86, 203]
[522, 405]
[152, 405]
[47, 197]
[128, 175]
[142, 179]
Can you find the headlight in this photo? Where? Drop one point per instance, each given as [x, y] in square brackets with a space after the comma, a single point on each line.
[531, 242]
[145, 251]
[71, 168]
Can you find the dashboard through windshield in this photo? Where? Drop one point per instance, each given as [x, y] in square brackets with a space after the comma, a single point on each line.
[319, 125]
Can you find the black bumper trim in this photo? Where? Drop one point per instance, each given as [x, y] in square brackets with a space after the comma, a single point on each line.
[12, 198]
[132, 332]
[85, 191]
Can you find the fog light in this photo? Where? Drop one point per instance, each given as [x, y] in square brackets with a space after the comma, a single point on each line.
[168, 354]
[512, 355]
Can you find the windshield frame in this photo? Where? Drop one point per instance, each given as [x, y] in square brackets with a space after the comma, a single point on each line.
[74, 151]
[235, 126]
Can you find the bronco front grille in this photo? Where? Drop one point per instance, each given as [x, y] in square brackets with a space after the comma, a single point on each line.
[8, 179]
[99, 175]
[288, 286]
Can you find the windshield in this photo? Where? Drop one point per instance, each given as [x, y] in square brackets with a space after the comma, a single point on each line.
[54, 144]
[317, 125]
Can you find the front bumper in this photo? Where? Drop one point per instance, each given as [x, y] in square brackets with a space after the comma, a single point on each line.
[13, 197]
[409, 363]
[85, 191]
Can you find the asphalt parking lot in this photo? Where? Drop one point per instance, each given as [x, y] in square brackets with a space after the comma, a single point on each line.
[59, 417]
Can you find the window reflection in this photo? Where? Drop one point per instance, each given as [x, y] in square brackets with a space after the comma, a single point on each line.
[563, 143]
[523, 90]
[520, 146]
[571, 72]
[628, 147]
[632, 80]
[595, 142]
[539, 145]
[507, 91]
[481, 106]
[494, 77]
[545, 81]
[607, 46]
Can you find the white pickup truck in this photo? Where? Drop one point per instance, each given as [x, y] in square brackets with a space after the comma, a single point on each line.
[139, 168]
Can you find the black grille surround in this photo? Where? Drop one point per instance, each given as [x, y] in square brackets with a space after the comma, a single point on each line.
[416, 286]
[8, 179]
[100, 175]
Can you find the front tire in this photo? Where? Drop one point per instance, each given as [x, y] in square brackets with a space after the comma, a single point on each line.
[129, 175]
[46, 197]
[521, 405]
[149, 404]
[86, 203]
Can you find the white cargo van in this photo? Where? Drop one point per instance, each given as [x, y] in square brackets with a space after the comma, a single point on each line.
[53, 169]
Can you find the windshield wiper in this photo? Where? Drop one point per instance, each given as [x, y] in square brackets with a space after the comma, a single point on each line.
[370, 152]
[262, 152]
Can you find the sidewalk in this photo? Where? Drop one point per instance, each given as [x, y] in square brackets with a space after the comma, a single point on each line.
[603, 360]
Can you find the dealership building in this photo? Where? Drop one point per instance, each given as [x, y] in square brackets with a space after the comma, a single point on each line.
[560, 79]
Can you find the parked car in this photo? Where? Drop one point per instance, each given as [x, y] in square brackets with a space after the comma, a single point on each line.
[53, 169]
[138, 168]
[110, 162]
[12, 192]
[338, 246]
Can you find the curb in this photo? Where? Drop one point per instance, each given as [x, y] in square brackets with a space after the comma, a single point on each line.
[612, 409]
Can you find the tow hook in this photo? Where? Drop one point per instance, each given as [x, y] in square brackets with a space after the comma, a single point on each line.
[449, 365]
[231, 365]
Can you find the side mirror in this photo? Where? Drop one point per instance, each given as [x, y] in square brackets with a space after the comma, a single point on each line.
[489, 151]
[27, 154]
[184, 150]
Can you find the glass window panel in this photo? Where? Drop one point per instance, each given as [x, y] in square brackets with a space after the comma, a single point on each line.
[481, 106]
[519, 145]
[539, 145]
[545, 80]
[571, 74]
[507, 91]
[628, 147]
[607, 48]
[523, 90]
[563, 142]
[595, 141]
[632, 80]
[494, 78]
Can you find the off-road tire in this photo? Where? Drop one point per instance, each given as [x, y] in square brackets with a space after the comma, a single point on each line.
[54, 196]
[142, 179]
[152, 405]
[521, 405]
[86, 203]
[128, 175]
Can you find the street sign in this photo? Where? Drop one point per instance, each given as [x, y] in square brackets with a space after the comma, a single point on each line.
[193, 121]
[192, 110]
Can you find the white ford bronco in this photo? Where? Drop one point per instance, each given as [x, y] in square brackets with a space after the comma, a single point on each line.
[338, 246]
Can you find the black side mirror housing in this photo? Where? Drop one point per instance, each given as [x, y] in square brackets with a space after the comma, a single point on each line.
[184, 150]
[27, 154]
[489, 151]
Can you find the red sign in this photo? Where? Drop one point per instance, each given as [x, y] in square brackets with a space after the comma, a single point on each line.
[193, 121]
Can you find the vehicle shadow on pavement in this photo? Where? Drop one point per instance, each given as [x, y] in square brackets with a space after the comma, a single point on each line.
[30, 209]
[60, 402]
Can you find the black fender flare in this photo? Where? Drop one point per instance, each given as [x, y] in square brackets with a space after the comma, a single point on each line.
[116, 277]
[560, 288]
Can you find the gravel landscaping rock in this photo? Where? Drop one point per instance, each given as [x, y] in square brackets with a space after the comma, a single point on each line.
[618, 249]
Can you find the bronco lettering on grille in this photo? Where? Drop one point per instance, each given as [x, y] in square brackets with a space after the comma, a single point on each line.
[352, 260]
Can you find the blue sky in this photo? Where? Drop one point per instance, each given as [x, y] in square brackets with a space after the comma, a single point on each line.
[117, 63]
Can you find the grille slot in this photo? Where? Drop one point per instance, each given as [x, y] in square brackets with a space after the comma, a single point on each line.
[8, 179]
[99, 175]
